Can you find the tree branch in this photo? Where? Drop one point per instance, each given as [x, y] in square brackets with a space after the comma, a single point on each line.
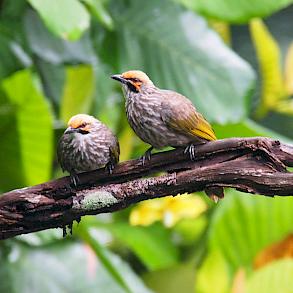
[253, 165]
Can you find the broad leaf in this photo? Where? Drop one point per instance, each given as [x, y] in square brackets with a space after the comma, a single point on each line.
[98, 10]
[60, 268]
[213, 275]
[268, 55]
[67, 18]
[275, 277]
[240, 11]
[247, 128]
[151, 244]
[78, 91]
[177, 49]
[243, 225]
[26, 133]
[53, 49]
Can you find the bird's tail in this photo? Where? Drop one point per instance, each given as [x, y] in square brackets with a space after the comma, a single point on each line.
[215, 193]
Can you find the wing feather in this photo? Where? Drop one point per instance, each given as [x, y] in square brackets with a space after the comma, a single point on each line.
[180, 114]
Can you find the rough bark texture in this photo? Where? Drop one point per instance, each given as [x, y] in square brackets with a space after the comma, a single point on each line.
[253, 165]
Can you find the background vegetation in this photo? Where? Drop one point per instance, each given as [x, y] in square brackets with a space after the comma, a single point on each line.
[55, 60]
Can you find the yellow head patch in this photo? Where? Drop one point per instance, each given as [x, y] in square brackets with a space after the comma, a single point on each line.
[136, 78]
[82, 121]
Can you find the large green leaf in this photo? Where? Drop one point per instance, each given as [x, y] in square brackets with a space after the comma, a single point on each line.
[213, 275]
[53, 49]
[67, 18]
[243, 225]
[60, 268]
[275, 277]
[26, 133]
[98, 10]
[179, 51]
[78, 91]
[247, 128]
[240, 11]
[151, 244]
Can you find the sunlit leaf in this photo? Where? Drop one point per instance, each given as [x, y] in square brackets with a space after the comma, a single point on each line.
[275, 277]
[240, 11]
[223, 29]
[177, 49]
[53, 49]
[213, 275]
[78, 91]
[268, 55]
[285, 107]
[27, 137]
[247, 128]
[178, 278]
[289, 70]
[67, 18]
[99, 11]
[243, 225]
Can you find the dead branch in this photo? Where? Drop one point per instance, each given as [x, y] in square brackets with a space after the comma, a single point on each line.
[253, 165]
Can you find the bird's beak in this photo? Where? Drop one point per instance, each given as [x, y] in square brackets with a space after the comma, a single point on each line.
[70, 130]
[119, 78]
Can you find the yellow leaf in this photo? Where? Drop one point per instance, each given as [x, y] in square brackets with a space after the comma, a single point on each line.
[289, 70]
[223, 29]
[268, 55]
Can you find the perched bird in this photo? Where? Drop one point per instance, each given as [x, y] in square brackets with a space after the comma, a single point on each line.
[163, 117]
[87, 144]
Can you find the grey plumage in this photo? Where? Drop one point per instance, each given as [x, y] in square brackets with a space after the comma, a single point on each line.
[87, 144]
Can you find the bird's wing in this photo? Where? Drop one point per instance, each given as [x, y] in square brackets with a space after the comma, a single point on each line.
[180, 114]
[115, 151]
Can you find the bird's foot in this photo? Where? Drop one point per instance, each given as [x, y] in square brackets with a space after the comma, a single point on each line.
[147, 156]
[110, 167]
[74, 180]
[190, 149]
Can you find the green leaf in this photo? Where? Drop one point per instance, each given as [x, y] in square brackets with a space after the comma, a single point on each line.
[26, 133]
[63, 267]
[275, 277]
[67, 18]
[99, 11]
[103, 256]
[240, 11]
[151, 244]
[53, 49]
[177, 49]
[247, 128]
[179, 278]
[78, 91]
[268, 55]
[243, 225]
[213, 275]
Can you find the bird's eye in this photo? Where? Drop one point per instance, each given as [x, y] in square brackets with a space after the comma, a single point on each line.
[134, 79]
[83, 125]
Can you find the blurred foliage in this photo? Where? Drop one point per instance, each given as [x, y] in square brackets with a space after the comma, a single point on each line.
[56, 59]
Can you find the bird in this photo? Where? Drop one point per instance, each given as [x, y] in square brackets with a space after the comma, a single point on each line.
[163, 118]
[87, 144]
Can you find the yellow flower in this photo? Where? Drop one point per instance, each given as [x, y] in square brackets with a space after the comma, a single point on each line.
[168, 209]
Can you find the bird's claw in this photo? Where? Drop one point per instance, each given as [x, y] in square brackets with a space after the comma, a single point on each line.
[190, 149]
[74, 180]
[110, 167]
[147, 156]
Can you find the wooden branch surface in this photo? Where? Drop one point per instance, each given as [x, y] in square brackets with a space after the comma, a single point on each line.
[253, 165]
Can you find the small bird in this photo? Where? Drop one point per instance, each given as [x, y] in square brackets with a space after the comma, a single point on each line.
[163, 117]
[87, 144]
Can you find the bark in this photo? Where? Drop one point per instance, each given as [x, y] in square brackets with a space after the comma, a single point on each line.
[252, 165]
